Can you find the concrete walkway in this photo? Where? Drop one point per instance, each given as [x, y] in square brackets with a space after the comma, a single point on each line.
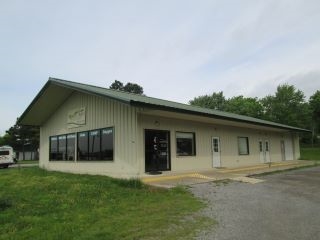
[170, 179]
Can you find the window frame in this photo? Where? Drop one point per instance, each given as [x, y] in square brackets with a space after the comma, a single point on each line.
[194, 144]
[76, 145]
[113, 143]
[247, 143]
[100, 145]
[57, 151]
[77, 152]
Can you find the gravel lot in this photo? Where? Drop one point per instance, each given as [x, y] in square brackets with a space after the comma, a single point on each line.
[285, 206]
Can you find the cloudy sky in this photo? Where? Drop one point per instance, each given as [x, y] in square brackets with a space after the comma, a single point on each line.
[175, 49]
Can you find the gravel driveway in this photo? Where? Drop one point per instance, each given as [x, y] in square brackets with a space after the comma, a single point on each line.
[284, 206]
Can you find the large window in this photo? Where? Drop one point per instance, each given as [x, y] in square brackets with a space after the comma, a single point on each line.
[186, 145]
[243, 145]
[62, 147]
[94, 145]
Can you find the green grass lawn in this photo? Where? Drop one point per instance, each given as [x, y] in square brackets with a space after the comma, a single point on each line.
[310, 153]
[37, 204]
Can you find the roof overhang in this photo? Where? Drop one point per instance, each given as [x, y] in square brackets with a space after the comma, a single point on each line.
[44, 104]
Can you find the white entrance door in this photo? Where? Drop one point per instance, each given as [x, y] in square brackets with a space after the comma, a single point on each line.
[266, 151]
[288, 149]
[215, 144]
[261, 151]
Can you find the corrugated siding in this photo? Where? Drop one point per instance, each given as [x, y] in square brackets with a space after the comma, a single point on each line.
[296, 146]
[204, 132]
[100, 113]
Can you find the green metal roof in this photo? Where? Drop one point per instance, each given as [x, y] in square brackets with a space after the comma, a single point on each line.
[155, 103]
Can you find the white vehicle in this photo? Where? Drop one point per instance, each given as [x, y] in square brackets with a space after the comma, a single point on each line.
[7, 156]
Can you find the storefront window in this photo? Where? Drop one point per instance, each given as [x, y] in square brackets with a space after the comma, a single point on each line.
[94, 145]
[83, 146]
[71, 145]
[107, 144]
[53, 148]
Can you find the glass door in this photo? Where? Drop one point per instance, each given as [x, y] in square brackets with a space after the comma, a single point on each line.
[157, 150]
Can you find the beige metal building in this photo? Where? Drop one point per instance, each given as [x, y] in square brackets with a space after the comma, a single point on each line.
[89, 129]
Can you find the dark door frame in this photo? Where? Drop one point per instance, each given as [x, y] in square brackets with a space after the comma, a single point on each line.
[168, 152]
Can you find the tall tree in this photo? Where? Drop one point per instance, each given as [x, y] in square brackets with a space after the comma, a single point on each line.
[287, 106]
[314, 103]
[244, 106]
[133, 88]
[116, 85]
[215, 101]
[129, 87]
[22, 138]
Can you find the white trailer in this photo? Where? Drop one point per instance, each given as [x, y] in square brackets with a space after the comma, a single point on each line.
[7, 156]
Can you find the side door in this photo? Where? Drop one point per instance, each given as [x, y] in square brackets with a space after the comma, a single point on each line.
[266, 151]
[261, 151]
[216, 156]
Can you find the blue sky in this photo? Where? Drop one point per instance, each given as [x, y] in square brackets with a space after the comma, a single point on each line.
[176, 50]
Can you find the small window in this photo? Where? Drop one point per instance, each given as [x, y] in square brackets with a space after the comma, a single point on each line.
[243, 145]
[260, 146]
[83, 146]
[4, 153]
[185, 144]
[215, 145]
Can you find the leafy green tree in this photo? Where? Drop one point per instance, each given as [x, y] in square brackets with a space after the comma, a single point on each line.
[116, 85]
[314, 103]
[129, 87]
[245, 106]
[6, 140]
[22, 138]
[133, 88]
[215, 101]
[287, 106]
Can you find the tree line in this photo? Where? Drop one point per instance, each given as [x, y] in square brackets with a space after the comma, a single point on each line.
[287, 105]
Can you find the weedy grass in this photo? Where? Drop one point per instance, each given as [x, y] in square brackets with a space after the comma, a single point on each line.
[37, 204]
[310, 153]
[284, 170]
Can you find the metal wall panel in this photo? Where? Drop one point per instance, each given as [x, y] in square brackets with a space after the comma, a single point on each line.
[100, 113]
[204, 132]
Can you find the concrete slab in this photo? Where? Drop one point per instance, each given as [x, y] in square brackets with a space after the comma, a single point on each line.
[171, 179]
[247, 180]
